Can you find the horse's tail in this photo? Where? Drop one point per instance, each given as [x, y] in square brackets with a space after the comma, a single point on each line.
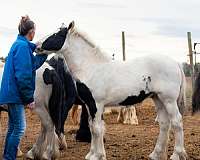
[196, 96]
[56, 99]
[181, 101]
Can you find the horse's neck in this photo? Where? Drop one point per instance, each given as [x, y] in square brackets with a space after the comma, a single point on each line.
[82, 57]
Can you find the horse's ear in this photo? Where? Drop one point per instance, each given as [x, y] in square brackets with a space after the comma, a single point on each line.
[71, 25]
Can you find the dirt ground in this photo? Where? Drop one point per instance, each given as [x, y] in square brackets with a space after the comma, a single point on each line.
[123, 142]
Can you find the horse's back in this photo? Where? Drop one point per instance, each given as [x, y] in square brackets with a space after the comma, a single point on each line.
[165, 72]
[155, 73]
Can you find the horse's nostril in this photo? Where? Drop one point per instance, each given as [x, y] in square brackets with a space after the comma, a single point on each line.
[40, 49]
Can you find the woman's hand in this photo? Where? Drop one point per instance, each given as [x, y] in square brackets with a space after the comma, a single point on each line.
[31, 105]
[37, 44]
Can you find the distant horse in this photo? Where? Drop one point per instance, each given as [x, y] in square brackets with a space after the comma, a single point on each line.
[122, 83]
[196, 95]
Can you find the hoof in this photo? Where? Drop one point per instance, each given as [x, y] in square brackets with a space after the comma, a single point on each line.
[97, 157]
[56, 153]
[93, 156]
[179, 156]
[88, 155]
[156, 156]
[45, 156]
[62, 142]
[29, 155]
[19, 153]
[153, 156]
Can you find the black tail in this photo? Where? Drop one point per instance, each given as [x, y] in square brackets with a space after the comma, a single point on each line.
[56, 99]
[196, 96]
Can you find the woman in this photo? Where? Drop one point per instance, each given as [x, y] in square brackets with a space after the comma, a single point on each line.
[18, 84]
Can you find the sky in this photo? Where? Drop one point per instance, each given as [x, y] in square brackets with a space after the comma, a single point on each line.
[151, 27]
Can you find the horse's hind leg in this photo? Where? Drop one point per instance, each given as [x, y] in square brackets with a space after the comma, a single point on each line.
[160, 150]
[177, 125]
[97, 150]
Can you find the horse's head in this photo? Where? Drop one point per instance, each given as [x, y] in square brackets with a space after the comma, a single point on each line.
[55, 42]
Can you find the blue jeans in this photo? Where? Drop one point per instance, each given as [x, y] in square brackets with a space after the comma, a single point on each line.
[16, 128]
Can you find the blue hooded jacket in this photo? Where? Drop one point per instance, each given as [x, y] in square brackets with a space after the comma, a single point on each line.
[18, 81]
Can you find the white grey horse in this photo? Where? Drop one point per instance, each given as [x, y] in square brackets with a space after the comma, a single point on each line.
[123, 83]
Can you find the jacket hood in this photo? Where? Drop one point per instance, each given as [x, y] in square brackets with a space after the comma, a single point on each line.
[31, 45]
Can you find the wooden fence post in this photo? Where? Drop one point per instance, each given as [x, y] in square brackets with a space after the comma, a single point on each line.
[191, 56]
[123, 46]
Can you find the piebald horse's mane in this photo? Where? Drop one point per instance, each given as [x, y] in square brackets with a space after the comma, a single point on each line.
[96, 49]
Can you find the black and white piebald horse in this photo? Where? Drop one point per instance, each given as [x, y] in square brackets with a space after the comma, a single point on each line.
[54, 96]
[122, 83]
[60, 100]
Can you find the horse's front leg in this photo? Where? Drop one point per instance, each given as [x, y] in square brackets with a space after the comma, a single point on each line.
[97, 150]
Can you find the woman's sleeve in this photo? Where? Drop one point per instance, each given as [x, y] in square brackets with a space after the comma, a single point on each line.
[23, 74]
[39, 60]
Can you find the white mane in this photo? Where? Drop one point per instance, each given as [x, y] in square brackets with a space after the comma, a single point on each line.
[97, 51]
